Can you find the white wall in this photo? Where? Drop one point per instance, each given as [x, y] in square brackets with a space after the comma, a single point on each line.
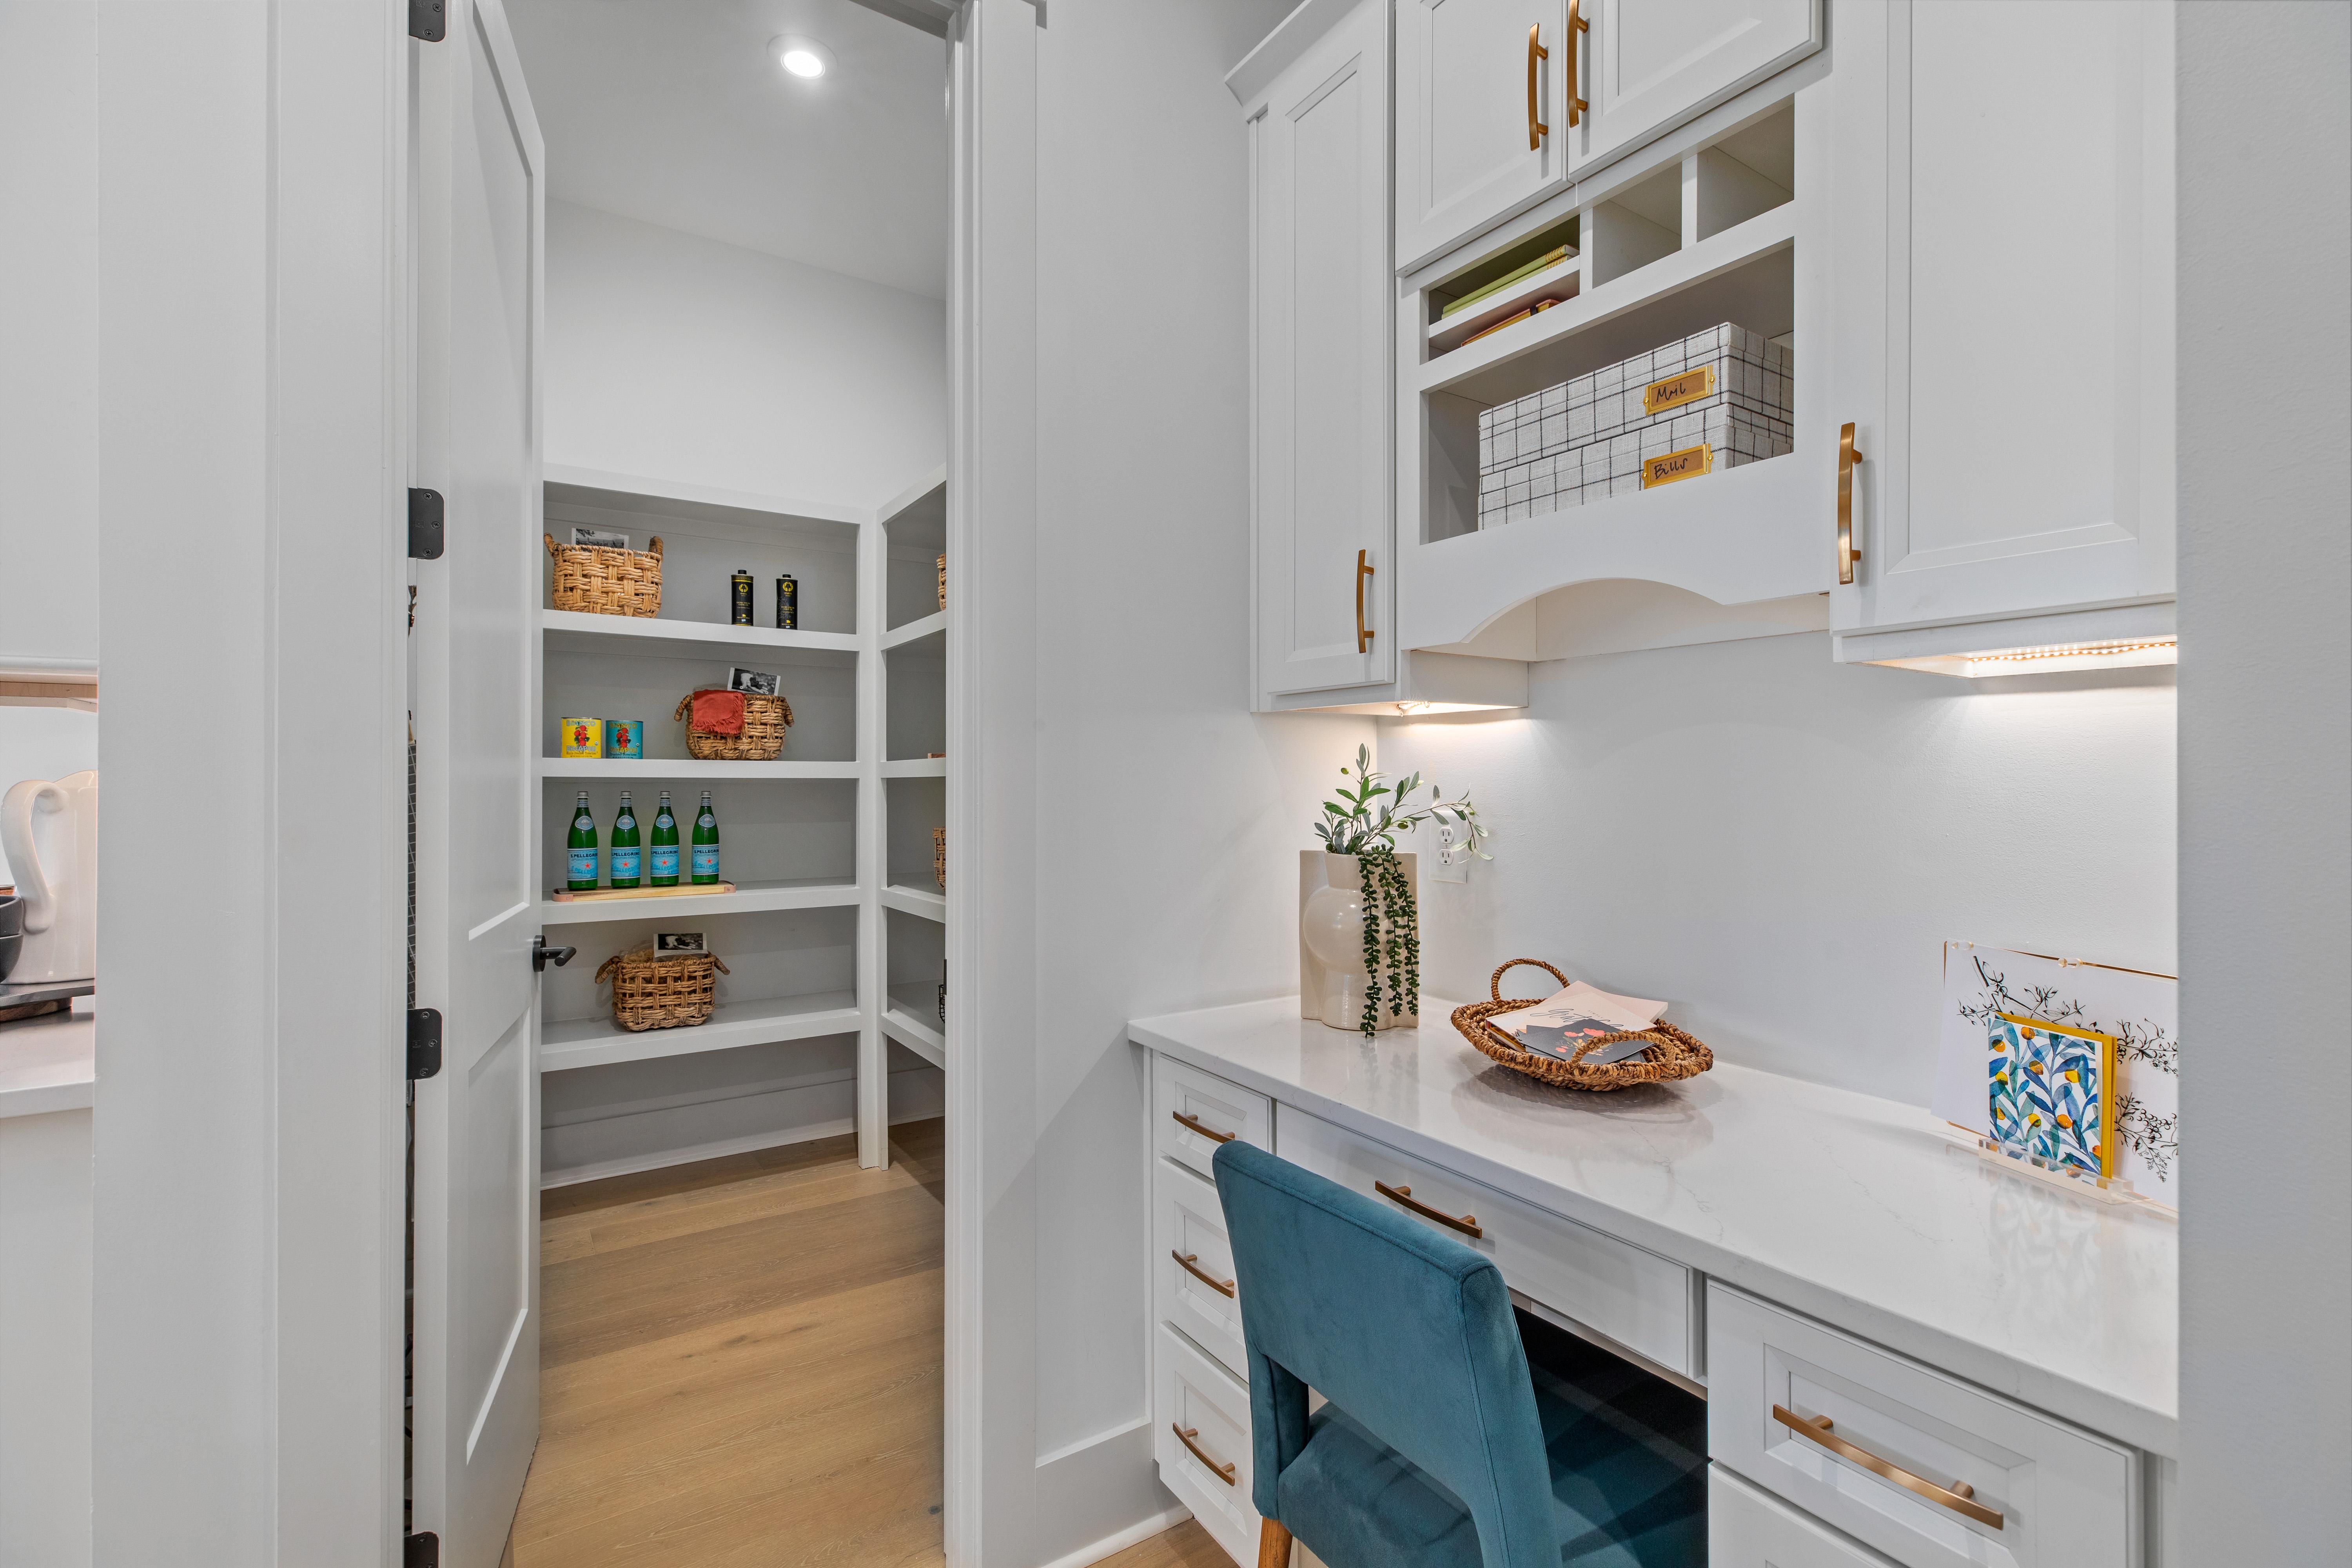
[2265, 807]
[48, 338]
[1170, 819]
[1779, 846]
[671, 356]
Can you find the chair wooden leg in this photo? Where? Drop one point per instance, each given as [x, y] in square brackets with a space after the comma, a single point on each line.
[1272, 1546]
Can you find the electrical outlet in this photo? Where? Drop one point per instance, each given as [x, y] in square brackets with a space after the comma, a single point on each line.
[1453, 863]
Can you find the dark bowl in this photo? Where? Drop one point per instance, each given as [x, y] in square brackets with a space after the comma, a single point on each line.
[10, 945]
[12, 933]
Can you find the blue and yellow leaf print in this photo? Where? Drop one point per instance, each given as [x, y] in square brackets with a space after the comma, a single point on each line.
[2046, 1090]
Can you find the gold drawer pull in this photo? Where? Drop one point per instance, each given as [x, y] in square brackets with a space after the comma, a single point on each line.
[1467, 1225]
[1364, 633]
[1185, 1435]
[1193, 1124]
[1576, 24]
[1537, 128]
[1959, 1497]
[1188, 1262]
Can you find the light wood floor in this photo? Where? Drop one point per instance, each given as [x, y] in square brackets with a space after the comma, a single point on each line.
[740, 1364]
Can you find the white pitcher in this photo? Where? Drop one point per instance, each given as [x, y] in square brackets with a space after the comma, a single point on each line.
[49, 833]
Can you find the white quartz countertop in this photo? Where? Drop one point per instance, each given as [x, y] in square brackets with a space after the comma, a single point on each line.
[1870, 1215]
[48, 1064]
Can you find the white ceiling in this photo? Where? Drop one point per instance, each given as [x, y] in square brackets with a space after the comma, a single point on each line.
[673, 112]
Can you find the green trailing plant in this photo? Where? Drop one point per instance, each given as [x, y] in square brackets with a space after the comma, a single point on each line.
[1364, 822]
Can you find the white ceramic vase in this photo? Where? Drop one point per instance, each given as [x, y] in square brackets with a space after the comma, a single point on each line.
[1332, 974]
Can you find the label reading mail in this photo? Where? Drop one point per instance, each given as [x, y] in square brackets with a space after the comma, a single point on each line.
[1677, 390]
[1682, 465]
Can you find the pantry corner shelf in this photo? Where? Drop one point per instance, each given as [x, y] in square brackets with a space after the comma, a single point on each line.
[654, 635]
[933, 625]
[914, 768]
[918, 1036]
[915, 901]
[748, 898]
[600, 1042]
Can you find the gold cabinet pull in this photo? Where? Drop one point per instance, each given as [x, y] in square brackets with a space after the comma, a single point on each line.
[1364, 568]
[1848, 456]
[1576, 24]
[1193, 1124]
[1959, 1497]
[1190, 1263]
[1185, 1435]
[1537, 128]
[1467, 1225]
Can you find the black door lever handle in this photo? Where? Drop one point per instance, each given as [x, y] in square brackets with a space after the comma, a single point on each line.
[541, 955]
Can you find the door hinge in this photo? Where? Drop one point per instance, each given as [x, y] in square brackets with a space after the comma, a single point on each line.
[424, 1041]
[428, 20]
[424, 525]
[421, 1551]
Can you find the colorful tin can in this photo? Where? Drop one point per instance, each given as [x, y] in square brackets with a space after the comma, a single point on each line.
[624, 738]
[582, 737]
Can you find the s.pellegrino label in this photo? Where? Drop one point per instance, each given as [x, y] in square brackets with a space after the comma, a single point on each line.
[579, 871]
[663, 854]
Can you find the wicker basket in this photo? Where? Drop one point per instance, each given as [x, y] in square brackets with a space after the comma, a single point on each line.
[765, 719]
[940, 856]
[604, 582]
[661, 991]
[1670, 1055]
[943, 581]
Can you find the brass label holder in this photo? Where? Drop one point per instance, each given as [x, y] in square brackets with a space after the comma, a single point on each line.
[1676, 390]
[1686, 464]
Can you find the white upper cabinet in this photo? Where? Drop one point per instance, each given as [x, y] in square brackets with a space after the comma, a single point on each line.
[1500, 103]
[1324, 522]
[1482, 123]
[2001, 241]
[1646, 65]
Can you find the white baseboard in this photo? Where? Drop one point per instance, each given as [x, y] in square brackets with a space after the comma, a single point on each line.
[662, 1158]
[1109, 1545]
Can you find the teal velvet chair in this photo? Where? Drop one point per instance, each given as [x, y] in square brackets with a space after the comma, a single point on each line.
[1438, 1447]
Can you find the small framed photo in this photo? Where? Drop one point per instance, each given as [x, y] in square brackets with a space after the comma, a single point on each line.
[755, 683]
[600, 538]
[678, 941]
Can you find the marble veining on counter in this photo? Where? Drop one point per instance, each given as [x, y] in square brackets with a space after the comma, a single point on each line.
[1870, 1215]
[48, 1064]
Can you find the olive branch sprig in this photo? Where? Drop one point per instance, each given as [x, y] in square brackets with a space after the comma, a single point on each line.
[1371, 815]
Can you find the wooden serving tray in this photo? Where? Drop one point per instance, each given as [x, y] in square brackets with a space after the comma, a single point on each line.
[603, 895]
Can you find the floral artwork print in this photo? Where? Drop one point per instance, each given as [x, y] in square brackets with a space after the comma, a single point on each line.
[2047, 1091]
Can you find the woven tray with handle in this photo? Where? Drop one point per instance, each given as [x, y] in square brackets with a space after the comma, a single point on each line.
[1669, 1054]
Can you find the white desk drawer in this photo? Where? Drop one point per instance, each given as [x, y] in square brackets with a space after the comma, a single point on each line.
[1200, 1437]
[2056, 1496]
[1610, 1287]
[1749, 1529]
[1193, 1112]
[1192, 1266]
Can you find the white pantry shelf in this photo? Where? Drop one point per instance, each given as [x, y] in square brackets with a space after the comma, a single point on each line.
[688, 638]
[687, 768]
[748, 897]
[914, 901]
[933, 625]
[914, 768]
[599, 1042]
[916, 1036]
[1561, 280]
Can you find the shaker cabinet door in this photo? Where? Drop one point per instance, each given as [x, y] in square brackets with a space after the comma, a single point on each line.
[1482, 124]
[1647, 66]
[2001, 321]
[1324, 527]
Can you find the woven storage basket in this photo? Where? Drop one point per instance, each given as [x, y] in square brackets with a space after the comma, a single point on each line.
[765, 719]
[603, 582]
[943, 581]
[940, 856]
[661, 990]
[1670, 1055]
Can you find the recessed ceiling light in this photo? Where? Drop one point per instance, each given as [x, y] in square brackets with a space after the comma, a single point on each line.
[803, 58]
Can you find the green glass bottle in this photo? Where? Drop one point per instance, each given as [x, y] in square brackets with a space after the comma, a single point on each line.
[706, 842]
[662, 872]
[629, 859]
[580, 876]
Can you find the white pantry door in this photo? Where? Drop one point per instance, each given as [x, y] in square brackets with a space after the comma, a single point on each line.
[478, 228]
